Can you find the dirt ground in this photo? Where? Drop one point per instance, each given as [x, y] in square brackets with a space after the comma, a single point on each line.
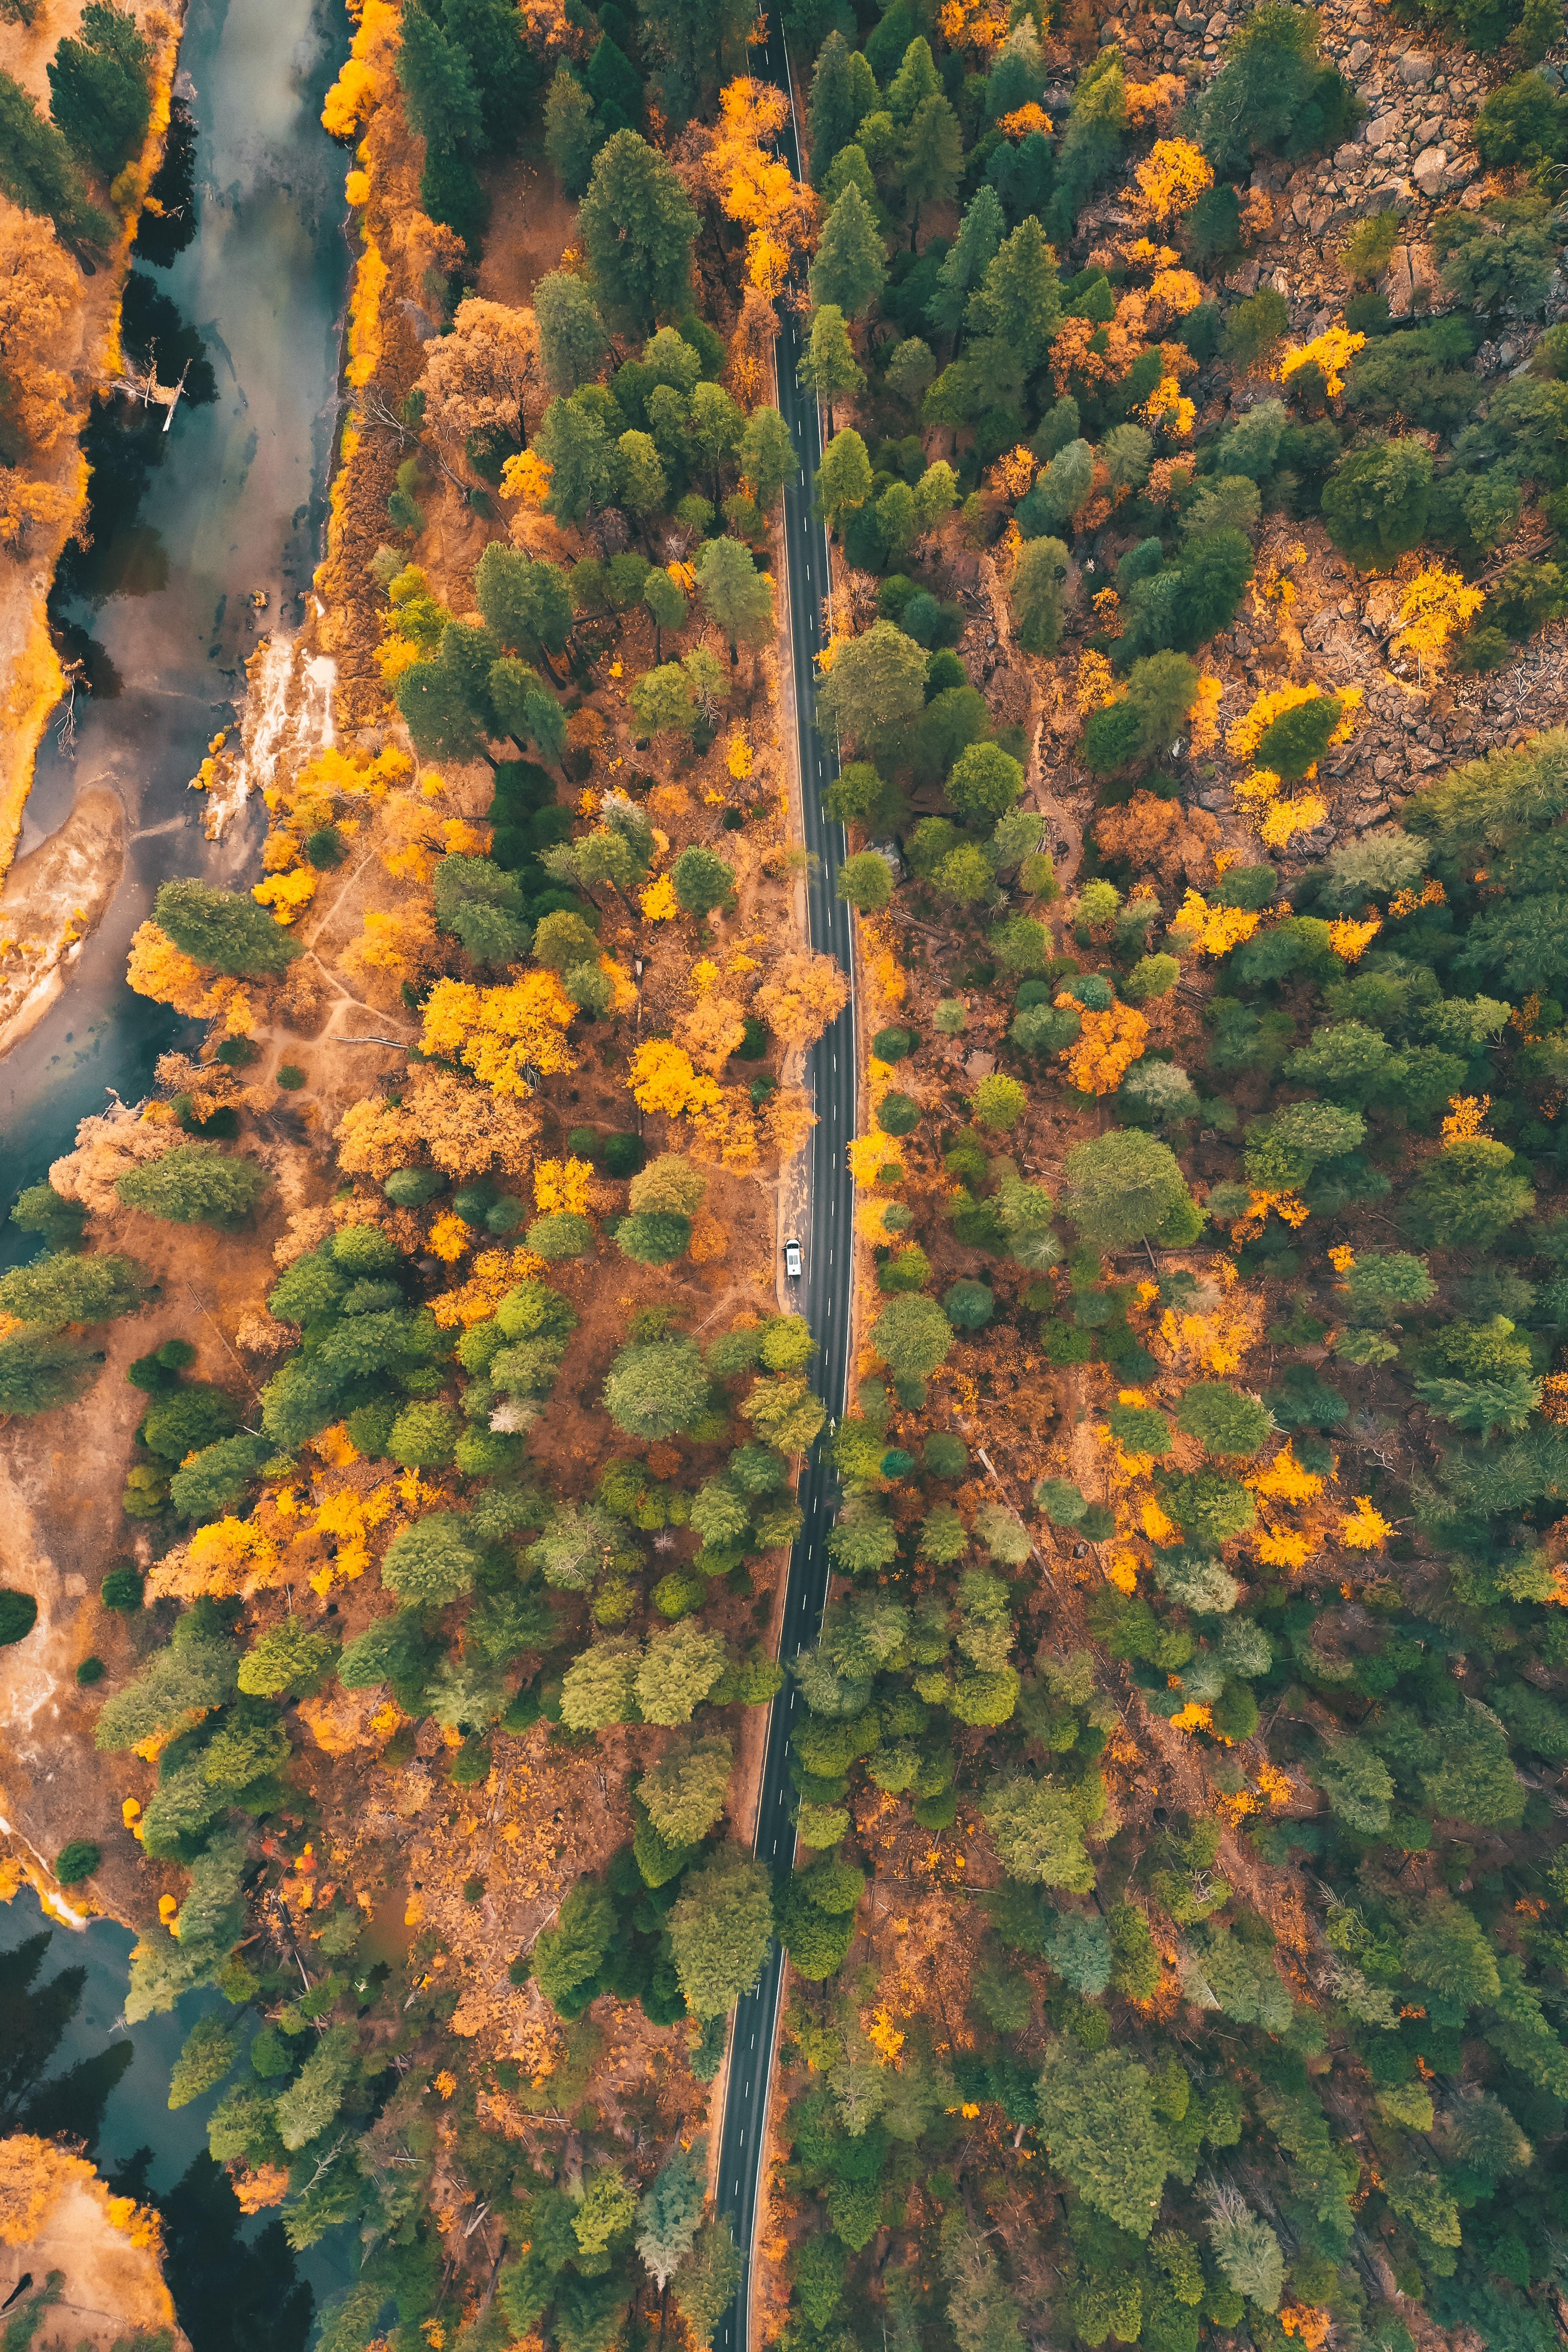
[532, 224]
[57, 2216]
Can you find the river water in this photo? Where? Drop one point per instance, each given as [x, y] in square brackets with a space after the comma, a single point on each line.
[188, 525]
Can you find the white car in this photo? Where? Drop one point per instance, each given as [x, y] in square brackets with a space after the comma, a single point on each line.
[792, 1262]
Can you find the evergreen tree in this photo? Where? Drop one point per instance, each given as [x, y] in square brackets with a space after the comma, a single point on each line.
[223, 929]
[585, 469]
[571, 137]
[637, 230]
[735, 595]
[571, 342]
[828, 366]
[1036, 596]
[194, 1184]
[933, 158]
[1123, 1188]
[1019, 305]
[39, 173]
[100, 90]
[669, 2210]
[876, 688]
[963, 267]
[843, 92]
[720, 1930]
[440, 97]
[851, 268]
[524, 600]
[1097, 2120]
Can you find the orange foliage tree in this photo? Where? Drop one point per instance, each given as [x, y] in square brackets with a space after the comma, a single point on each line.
[497, 1033]
[802, 996]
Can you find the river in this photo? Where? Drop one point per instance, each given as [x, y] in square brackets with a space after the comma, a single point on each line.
[189, 526]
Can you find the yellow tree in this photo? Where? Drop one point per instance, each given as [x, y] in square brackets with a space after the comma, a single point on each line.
[1170, 179]
[802, 996]
[1433, 606]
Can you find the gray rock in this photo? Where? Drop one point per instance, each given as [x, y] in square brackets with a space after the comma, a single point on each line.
[1428, 169]
[1360, 55]
[1417, 68]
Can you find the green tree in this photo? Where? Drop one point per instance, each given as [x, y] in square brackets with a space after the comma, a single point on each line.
[524, 600]
[933, 158]
[1018, 305]
[1274, 90]
[1375, 501]
[1222, 1419]
[569, 1955]
[964, 265]
[707, 2280]
[1123, 1188]
[223, 930]
[679, 1670]
[597, 1688]
[637, 230]
[702, 879]
[1357, 1783]
[1298, 738]
[865, 880]
[39, 175]
[1037, 1832]
[1208, 1506]
[1467, 1196]
[1097, 2120]
[288, 1658]
[985, 782]
[669, 2210]
[194, 1184]
[60, 1288]
[768, 456]
[666, 605]
[828, 366]
[684, 1793]
[1446, 1950]
[737, 597]
[1244, 2248]
[209, 2050]
[655, 1387]
[843, 92]
[851, 268]
[912, 1336]
[41, 1210]
[584, 462]
[100, 87]
[1036, 596]
[1521, 122]
[431, 1563]
[876, 688]
[310, 2103]
[720, 1930]
[999, 1102]
[572, 341]
[571, 141]
[843, 483]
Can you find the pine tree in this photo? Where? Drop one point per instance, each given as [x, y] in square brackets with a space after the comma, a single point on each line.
[194, 1184]
[933, 158]
[100, 87]
[571, 137]
[963, 269]
[828, 366]
[735, 595]
[876, 687]
[638, 231]
[669, 2210]
[39, 173]
[1020, 303]
[720, 1930]
[571, 342]
[1035, 595]
[439, 94]
[525, 600]
[843, 92]
[223, 930]
[851, 268]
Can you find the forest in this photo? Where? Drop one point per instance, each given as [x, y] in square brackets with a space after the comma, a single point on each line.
[1177, 1931]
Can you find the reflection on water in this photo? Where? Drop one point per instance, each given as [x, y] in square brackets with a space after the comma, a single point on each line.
[188, 525]
[67, 2067]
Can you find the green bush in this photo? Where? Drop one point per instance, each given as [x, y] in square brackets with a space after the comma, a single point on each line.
[77, 1861]
[19, 1615]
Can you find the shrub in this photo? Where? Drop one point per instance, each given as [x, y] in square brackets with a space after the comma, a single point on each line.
[19, 1615]
[77, 1861]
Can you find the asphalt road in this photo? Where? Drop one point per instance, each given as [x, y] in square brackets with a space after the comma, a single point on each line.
[825, 1293]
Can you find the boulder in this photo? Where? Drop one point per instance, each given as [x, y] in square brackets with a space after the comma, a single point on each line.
[1416, 68]
[1429, 170]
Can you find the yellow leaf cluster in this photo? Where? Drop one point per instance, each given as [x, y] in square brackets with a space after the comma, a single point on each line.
[1096, 355]
[1286, 819]
[1466, 1117]
[448, 1237]
[526, 477]
[1406, 902]
[1174, 292]
[158, 968]
[1332, 352]
[1283, 1548]
[1286, 1481]
[1144, 100]
[1213, 930]
[1024, 121]
[563, 1185]
[287, 894]
[869, 1154]
[663, 1078]
[659, 901]
[1106, 1048]
[1168, 405]
[1171, 178]
[1218, 1341]
[744, 168]
[354, 97]
[1365, 1528]
[494, 1032]
[1350, 939]
[1012, 473]
[973, 23]
[739, 757]
[1433, 606]
[493, 1274]
[364, 314]
[1203, 718]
